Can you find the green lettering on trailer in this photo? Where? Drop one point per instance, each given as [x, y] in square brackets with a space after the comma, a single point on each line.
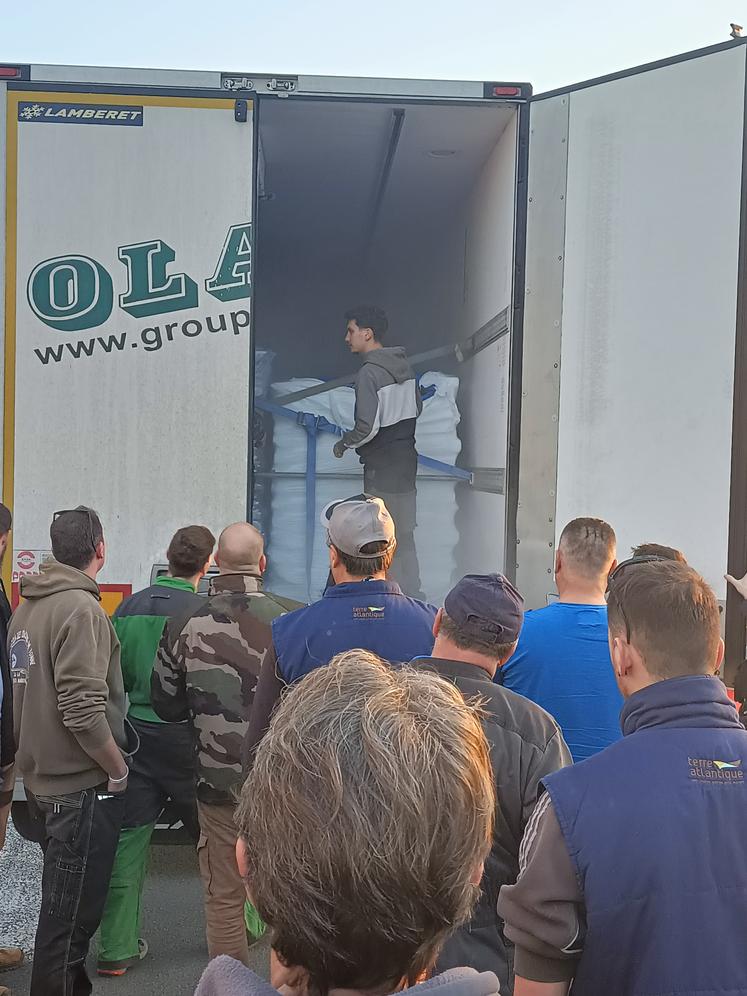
[233, 274]
[70, 293]
[150, 290]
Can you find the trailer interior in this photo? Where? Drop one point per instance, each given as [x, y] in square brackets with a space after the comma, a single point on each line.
[410, 206]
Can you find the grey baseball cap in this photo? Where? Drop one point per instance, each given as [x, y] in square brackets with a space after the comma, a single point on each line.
[354, 522]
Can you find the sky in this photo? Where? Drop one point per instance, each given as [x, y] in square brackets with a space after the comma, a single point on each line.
[545, 42]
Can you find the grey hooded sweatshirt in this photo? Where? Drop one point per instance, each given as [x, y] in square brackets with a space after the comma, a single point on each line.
[225, 976]
[67, 680]
[387, 403]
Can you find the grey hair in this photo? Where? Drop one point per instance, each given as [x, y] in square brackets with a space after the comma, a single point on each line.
[366, 818]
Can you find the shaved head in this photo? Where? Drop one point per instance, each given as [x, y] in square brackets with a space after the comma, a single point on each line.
[240, 548]
[587, 547]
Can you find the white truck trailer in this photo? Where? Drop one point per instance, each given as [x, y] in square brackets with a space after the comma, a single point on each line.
[569, 268]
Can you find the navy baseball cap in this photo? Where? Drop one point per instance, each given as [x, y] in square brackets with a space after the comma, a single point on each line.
[486, 606]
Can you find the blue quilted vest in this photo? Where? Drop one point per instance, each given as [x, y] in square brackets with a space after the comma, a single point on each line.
[373, 615]
[656, 826]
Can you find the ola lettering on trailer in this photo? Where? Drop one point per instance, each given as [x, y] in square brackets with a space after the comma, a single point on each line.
[72, 293]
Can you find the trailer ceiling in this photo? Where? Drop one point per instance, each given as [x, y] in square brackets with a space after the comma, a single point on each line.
[323, 163]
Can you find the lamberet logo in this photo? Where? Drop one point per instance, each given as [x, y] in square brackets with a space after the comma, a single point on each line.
[99, 114]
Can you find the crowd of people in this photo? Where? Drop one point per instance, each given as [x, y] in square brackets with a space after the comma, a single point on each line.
[470, 798]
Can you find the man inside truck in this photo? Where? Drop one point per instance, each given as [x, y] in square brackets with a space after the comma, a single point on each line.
[387, 405]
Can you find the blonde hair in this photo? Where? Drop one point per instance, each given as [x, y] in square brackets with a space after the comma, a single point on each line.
[366, 817]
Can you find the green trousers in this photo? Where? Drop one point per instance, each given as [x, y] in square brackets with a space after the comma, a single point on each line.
[120, 924]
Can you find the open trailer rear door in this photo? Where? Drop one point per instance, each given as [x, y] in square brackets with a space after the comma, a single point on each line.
[127, 315]
[633, 236]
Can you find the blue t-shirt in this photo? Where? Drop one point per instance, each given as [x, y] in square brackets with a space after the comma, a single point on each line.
[563, 663]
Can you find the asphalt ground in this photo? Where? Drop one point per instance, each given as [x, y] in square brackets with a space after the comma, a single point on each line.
[172, 922]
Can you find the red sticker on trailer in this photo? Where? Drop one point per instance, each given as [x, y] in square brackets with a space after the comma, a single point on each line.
[26, 560]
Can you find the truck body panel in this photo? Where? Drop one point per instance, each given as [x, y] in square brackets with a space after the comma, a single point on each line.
[630, 325]
[128, 378]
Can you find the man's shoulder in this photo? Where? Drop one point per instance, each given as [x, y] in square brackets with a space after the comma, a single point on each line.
[560, 620]
[279, 605]
[307, 617]
[58, 605]
[74, 610]
[558, 611]
[502, 710]
[621, 752]
[158, 600]
[507, 710]
[544, 616]
[338, 602]
[298, 613]
[239, 611]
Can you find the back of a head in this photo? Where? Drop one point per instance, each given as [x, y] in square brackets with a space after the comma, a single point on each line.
[240, 548]
[75, 534]
[587, 547]
[658, 550]
[361, 530]
[366, 817]
[483, 614]
[6, 519]
[189, 551]
[369, 316]
[669, 614]
[369, 564]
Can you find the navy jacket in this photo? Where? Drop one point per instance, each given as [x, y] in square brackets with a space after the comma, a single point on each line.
[374, 615]
[655, 827]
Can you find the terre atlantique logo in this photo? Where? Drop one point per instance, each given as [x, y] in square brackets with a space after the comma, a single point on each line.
[706, 770]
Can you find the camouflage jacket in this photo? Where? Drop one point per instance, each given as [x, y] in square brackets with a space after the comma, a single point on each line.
[206, 672]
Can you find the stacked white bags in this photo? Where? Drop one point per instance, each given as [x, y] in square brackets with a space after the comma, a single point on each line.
[436, 536]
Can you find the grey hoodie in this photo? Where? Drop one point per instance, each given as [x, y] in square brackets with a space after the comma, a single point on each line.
[225, 976]
[387, 402]
[67, 680]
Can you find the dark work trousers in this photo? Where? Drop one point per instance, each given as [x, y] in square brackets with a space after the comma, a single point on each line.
[402, 506]
[162, 775]
[81, 831]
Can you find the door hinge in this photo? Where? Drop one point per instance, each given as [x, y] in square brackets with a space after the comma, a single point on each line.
[282, 84]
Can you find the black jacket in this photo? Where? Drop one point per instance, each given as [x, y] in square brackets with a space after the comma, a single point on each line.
[525, 745]
[7, 738]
